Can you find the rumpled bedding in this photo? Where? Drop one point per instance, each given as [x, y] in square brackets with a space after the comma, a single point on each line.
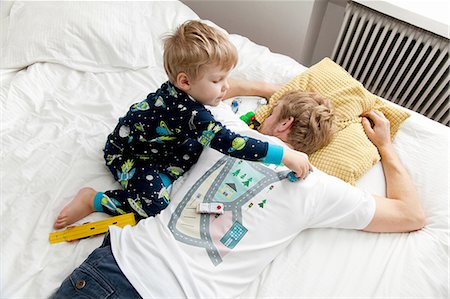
[64, 84]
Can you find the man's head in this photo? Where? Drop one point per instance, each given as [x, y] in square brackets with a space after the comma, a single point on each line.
[198, 59]
[305, 120]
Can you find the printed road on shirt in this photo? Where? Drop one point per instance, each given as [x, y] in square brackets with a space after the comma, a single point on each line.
[233, 183]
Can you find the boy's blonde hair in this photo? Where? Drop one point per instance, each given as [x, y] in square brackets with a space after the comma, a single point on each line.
[313, 125]
[195, 45]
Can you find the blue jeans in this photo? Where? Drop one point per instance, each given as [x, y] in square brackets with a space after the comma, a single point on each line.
[97, 277]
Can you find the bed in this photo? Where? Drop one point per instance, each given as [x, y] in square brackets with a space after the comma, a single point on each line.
[70, 69]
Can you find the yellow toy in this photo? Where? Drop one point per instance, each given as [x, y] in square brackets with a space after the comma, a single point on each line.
[91, 228]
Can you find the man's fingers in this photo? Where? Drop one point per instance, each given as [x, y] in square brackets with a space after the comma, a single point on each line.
[366, 125]
[368, 113]
[374, 115]
[379, 113]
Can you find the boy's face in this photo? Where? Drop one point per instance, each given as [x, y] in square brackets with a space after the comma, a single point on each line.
[210, 88]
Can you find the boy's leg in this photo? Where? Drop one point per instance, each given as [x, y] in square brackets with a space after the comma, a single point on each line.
[98, 276]
[145, 195]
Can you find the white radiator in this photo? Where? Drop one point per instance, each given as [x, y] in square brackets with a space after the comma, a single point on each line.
[395, 60]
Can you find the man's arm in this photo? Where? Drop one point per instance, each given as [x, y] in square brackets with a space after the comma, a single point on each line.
[241, 87]
[401, 210]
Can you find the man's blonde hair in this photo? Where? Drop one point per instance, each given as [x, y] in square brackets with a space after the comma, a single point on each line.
[313, 125]
[195, 45]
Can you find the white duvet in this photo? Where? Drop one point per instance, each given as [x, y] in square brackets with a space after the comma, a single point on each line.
[65, 80]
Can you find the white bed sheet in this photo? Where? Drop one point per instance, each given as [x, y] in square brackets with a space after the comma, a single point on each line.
[54, 121]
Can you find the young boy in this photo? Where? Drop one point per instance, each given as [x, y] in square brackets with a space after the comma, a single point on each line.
[161, 137]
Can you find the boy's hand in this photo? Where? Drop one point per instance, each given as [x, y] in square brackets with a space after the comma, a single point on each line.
[298, 162]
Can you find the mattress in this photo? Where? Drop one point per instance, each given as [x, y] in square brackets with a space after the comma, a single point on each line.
[56, 113]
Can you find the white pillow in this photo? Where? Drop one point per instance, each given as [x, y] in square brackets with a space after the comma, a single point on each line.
[87, 36]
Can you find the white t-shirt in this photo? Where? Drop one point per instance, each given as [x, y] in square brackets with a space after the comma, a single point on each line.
[181, 253]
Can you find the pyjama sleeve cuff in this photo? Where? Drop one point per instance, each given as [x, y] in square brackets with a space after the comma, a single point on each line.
[274, 154]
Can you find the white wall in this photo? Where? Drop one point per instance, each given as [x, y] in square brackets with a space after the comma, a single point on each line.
[329, 30]
[287, 27]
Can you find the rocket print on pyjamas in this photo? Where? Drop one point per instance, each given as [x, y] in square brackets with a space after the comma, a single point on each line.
[127, 172]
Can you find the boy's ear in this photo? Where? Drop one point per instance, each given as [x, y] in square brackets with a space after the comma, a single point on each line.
[183, 81]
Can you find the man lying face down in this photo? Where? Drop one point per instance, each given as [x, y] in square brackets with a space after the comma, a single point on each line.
[208, 256]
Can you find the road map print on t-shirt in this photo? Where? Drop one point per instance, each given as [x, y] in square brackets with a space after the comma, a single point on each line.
[230, 181]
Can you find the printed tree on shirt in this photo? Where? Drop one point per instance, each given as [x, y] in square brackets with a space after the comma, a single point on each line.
[247, 182]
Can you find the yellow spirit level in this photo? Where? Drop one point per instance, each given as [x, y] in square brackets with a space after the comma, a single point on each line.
[91, 228]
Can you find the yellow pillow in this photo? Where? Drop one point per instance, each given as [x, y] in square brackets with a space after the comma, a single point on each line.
[350, 154]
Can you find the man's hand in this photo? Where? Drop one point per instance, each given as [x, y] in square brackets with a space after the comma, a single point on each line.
[380, 132]
[241, 87]
[298, 162]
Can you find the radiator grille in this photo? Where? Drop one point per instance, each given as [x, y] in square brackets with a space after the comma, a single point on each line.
[395, 60]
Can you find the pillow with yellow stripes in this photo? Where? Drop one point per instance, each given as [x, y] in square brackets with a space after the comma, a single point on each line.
[350, 154]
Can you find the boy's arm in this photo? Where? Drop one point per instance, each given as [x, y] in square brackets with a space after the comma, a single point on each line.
[209, 132]
[401, 210]
[241, 87]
